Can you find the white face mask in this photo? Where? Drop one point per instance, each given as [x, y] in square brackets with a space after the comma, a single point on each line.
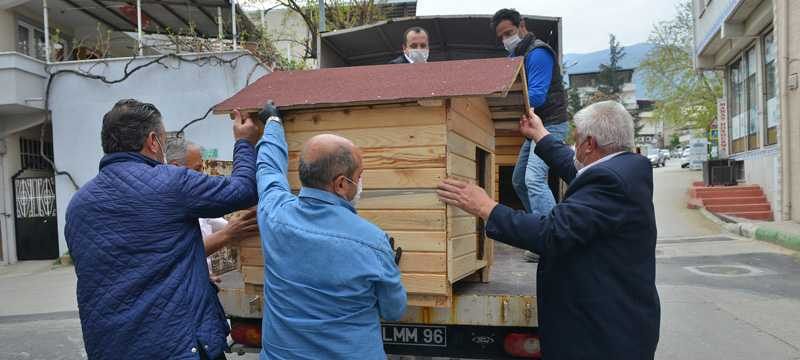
[578, 163]
[163, 151]
[418, 55]
[359, 189]
[511, 42]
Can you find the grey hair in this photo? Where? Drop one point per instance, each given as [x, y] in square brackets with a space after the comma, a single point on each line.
[608, 123]
[326, 167]
[176, 148]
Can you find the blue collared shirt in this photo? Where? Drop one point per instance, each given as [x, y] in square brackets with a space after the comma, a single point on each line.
[329, 275]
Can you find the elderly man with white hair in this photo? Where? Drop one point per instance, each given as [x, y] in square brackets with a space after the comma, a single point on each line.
[596, 289]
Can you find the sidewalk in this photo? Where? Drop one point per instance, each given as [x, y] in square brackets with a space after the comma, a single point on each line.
[37, 287]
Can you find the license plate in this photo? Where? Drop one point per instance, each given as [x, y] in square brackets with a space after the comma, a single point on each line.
[414, 335]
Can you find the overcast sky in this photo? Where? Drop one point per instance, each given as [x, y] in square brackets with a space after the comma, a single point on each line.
[586, 23]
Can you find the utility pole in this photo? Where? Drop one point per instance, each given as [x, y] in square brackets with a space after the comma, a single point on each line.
[139, 25]
[46, 32]
[321, 4]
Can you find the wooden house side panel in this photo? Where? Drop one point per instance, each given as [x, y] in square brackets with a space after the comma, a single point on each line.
[462, 228]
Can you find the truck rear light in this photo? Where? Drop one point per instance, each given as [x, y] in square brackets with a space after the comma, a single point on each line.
[246, 333]
[522, 345]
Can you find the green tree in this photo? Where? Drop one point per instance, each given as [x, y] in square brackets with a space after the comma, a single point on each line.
[339, 14]
[675, 141]
[610, 78]
[687, 97]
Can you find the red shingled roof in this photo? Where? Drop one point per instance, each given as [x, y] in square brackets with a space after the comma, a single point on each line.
[378, 84]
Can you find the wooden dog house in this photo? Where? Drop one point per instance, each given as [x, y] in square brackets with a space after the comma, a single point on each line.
[416, 124]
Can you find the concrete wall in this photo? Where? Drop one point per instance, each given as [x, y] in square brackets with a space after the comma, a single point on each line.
[787, 27]
[288, 30]
[763, 171]
[23, 79]
[708, 20]
[182, 92]
[8, 31]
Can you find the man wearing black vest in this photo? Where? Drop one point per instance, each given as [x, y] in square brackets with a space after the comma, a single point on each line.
[546, 95]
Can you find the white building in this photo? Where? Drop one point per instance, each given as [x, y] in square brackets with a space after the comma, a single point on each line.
[102, 37]
[756, 44]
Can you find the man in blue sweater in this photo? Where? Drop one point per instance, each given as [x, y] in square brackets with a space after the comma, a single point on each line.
[143, 289]
[546, 95]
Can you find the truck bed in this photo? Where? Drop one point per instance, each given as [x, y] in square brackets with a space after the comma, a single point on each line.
[508, 299]
[510, 275]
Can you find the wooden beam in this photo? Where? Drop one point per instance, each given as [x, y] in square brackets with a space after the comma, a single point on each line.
[429, 135]
[422, 220]
[348, 118]
[436, 284]
[423, 262]
[411, 199]
[394, 158]
[394, 179]
[419, 240]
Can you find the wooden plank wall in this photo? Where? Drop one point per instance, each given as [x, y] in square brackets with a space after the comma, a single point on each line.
[404, 153]
[469, 127]
[508, 141]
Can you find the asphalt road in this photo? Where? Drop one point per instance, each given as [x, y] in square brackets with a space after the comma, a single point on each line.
[722, 297]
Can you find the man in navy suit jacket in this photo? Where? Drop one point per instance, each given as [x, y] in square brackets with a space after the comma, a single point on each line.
[596, 287]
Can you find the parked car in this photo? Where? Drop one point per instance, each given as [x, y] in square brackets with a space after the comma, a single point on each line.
[656, 157]
[666, 154]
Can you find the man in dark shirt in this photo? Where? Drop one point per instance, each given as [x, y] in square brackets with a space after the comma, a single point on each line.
[415, 47]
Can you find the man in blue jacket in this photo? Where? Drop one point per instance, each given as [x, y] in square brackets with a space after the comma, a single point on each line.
[329, 275]
[546, 95]
[143, 287]
[595, 283]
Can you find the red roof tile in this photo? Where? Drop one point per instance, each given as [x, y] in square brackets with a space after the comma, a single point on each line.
[378, 83]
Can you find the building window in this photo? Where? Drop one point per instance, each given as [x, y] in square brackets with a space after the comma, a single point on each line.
[743, 99]
[736, 85]
[752, 100]
[30, 154]
[30, 40]
[772, 111]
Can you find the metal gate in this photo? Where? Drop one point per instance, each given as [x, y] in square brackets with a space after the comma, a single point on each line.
[35, 218]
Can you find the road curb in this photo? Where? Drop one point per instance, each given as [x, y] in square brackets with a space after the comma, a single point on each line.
[782, 238]
[754, 231]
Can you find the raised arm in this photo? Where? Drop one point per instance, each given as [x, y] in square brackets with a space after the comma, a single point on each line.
[207, 196]
[557, 155]
[273, 161]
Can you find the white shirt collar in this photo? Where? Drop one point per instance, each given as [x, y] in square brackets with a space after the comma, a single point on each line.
[603, 159]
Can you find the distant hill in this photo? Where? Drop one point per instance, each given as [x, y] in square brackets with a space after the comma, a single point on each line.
[590, 62]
